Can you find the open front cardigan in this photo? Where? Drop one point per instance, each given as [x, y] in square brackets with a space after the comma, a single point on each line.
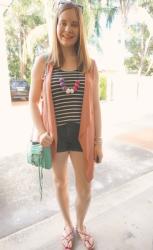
[87, 128]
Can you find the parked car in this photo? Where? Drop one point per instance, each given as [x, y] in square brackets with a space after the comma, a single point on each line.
[19, 89]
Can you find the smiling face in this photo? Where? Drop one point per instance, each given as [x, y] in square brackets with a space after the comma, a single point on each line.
[68, 28]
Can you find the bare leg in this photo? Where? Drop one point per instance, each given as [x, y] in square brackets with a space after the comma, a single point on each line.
[83, 188]
[61, 180]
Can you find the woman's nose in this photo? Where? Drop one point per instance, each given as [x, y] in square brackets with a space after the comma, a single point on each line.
[68, 28]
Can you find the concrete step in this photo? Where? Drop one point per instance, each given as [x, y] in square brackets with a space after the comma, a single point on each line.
[119, 220]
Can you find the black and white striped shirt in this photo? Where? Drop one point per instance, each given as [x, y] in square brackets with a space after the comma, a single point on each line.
[67, 107]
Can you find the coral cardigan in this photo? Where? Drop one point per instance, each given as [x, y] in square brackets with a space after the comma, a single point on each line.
[87, 128]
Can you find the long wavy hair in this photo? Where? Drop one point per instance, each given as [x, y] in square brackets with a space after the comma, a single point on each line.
[56, 57]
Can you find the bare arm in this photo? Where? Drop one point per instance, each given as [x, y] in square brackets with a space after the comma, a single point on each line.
[35, 92]
[97, 117]
[97, 108]
[34, 98]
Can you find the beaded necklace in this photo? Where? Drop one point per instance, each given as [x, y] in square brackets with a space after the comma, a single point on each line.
[69, 90]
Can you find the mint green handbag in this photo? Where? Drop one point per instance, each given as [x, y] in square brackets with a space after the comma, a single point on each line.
[40, 157]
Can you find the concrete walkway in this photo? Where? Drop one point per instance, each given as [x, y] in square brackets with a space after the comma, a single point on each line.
[121, 213]
[119, 220]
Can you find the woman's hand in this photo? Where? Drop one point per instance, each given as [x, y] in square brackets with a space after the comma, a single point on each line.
[98, 153]
[45, 139]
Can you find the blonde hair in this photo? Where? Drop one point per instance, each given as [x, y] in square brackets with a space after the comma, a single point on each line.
[56, 57]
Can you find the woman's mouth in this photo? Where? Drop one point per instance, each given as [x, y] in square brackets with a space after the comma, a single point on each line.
[68, 37]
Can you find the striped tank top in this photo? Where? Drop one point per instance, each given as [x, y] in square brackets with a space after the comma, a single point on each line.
[67, 107]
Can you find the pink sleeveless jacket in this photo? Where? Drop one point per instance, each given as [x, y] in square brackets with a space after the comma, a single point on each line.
[87, 130]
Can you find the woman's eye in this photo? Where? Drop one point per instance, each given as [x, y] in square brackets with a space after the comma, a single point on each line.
[63, 24]
[74, 25]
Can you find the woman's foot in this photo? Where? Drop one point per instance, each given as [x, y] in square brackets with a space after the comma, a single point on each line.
[67, 238]
[86, 238]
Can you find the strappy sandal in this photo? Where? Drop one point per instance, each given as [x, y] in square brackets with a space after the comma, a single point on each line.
[67, 238]
[86, 238]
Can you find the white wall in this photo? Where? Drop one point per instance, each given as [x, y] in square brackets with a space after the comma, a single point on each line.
[5, 99]
[123, 87]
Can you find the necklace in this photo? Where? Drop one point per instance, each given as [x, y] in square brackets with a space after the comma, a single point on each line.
[69, 90]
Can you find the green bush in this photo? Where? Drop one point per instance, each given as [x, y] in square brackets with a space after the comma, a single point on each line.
[103, 86]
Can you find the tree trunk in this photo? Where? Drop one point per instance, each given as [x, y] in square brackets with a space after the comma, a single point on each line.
[48, 16]
[124, 8]
[22, 52]
[144, 53]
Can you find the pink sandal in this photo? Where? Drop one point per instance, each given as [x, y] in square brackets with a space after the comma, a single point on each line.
[86, 238]
[67, 238]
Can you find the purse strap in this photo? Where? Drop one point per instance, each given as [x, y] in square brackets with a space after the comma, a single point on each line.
[40, 172]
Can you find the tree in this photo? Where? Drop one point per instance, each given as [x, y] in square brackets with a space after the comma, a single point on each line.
[141, 45]
[21, 18]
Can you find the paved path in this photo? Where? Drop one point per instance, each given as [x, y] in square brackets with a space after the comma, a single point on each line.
[139, 137]
[128, 155]
[119, 220]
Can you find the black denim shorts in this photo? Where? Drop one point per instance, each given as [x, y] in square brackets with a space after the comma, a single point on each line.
[68, 137]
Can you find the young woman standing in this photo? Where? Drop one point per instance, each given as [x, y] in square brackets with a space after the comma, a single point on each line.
[70, 121]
